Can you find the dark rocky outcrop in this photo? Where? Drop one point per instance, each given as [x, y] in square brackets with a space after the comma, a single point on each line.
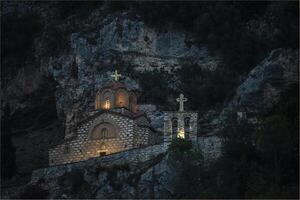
[55, 58]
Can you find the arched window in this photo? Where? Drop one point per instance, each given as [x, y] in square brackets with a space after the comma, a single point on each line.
[174, 126]
[103, 130]
[67, 149]
[122, 98]
[107, 99]
[187, 126]
[133, 103]
[107, 104]
[104, 133]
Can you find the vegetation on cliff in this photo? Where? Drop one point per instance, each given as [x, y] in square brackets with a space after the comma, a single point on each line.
[256, 161]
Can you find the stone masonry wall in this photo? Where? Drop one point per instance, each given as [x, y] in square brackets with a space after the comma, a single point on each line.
[83, 148]
[129, 156]
[141, 136]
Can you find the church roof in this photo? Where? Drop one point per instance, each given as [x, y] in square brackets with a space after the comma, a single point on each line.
[114, 85]
[130, 115]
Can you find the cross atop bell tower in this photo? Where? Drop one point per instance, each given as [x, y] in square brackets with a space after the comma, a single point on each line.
[181, 101]
[116, 76]
[180, 123]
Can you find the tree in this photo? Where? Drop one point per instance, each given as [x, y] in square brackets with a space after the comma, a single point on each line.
[187, 166]
[8, 151]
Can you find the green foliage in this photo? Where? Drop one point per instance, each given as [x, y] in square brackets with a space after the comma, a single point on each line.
[186, 162]
[260, 162]
[34, 192]
[74, 185]
[222, 25]
[57, 41]
[82, 9]
[155, 87]
[277, 143]
[8, 151]
[180, 145]
[205, 88]
[17, 41]
[238, 160]
[112, 174]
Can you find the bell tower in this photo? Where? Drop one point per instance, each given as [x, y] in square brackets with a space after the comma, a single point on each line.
[181, 123]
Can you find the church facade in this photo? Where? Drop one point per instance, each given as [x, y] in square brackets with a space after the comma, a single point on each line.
[115, 125]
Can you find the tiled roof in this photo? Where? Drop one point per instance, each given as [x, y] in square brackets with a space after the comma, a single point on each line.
[125, 114]
[113, 85]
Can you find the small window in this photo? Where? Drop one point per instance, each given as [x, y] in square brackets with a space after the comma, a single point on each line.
[67, 149]
[107, 104]
[187, 121]
[174, 126]
[187, 127]
[104, 133]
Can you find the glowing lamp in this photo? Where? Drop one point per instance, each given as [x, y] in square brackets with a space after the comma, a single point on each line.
[180, 133]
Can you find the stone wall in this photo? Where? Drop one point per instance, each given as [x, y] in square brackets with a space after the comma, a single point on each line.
[81, 147]
[129, 156]
[141, 136]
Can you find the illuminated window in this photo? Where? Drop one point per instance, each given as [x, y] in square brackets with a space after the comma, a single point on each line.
[181, 133]
[121, 100]
[107, 104]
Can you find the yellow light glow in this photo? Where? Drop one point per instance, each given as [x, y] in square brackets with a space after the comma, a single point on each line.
[180, 133]
[107, 104]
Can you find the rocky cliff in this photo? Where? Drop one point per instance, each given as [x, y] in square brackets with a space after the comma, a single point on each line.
[62, 76]
[55, 60]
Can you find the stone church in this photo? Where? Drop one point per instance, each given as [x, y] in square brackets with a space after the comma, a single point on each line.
[115, 125]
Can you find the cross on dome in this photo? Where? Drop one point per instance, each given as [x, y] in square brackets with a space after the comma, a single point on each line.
[116, 76]
[181, 101]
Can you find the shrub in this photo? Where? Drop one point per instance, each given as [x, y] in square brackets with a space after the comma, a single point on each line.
[186, 164]
[34, 192]
[74, 185]
[155, 87]
[8, 151]
[205, 89]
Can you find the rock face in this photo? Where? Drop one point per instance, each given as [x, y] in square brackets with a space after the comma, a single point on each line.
[73, 56]
[154, 114]
[263, 86]
[78, 55]
[133, 174]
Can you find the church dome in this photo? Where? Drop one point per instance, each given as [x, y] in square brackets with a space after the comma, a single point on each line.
[115, 94]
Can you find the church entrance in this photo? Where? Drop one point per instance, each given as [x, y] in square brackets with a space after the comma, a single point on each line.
[102, 153]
